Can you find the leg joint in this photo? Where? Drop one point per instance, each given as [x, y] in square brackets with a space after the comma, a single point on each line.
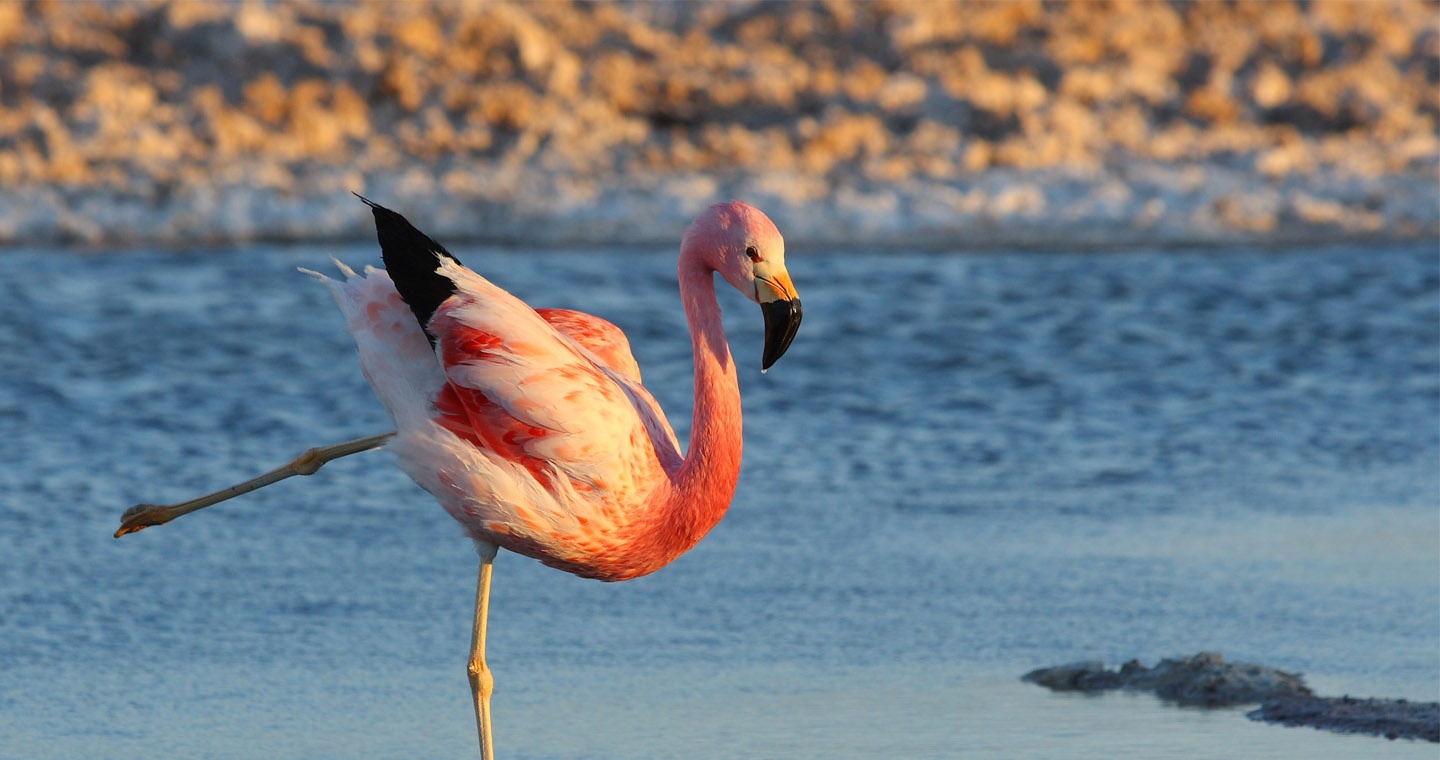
[308, 463]
[481, 680]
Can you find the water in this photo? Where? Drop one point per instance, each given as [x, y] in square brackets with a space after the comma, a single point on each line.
[967, 466]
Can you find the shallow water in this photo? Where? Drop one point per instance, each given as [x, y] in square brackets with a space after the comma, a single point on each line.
[966, 467]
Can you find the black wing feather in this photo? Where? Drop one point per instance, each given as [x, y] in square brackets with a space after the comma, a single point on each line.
[412, 258]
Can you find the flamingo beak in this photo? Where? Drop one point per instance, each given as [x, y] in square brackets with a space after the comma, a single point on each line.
[781, 306]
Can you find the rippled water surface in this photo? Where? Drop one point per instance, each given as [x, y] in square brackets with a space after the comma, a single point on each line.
[966, 467]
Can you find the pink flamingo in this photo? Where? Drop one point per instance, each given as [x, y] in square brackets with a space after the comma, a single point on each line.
[531, 427]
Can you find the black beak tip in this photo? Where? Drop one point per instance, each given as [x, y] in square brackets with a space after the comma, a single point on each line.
[782, 321]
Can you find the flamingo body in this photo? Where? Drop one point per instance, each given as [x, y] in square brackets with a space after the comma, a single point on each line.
[531, 428]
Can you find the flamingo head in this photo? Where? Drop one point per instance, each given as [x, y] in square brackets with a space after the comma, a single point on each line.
[742, 244]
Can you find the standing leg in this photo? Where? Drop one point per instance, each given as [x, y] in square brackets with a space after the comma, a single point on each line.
[481, 682]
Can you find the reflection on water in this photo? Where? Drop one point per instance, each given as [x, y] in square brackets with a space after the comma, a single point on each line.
[965, 468]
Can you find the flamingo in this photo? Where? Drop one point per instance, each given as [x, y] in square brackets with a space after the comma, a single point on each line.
[531, 426]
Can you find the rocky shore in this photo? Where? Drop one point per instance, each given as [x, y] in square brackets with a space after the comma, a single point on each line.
[1207, 680]
[1390, 718]
[949, 125]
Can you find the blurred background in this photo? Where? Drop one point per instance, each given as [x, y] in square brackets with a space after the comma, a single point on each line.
[934, 123]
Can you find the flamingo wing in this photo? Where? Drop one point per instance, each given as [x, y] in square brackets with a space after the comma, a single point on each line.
[522, 392]
[526, 439]
[611, 350]
[598, 336]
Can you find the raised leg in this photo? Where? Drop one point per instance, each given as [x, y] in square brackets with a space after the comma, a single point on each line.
[142, 516]
[481, 682]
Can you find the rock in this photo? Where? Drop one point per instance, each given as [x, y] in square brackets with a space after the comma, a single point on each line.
[1390, 718]
[1205, 680]
[1086, 675]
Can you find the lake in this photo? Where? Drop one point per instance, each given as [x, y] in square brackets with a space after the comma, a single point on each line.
[967, 466]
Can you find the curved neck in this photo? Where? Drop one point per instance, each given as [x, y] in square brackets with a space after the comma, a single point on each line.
[706, 480]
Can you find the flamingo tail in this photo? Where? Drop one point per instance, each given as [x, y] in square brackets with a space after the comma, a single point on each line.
[413, 259]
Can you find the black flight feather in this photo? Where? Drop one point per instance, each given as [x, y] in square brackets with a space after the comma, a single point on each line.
[412, 258]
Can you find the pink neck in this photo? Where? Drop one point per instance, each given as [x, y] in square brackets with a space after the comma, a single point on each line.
[700, 490]
[706, 481]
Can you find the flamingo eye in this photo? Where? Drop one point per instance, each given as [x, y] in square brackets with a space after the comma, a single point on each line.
[753, 253]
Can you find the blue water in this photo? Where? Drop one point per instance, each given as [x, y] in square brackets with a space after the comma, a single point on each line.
[966, 467]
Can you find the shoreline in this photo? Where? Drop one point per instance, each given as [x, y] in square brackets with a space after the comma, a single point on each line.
[1032, 210]
[932, 125]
